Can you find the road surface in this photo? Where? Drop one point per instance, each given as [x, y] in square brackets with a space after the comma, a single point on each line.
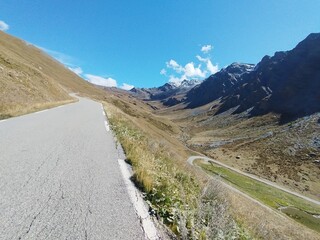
[206, 159]
[60, 177]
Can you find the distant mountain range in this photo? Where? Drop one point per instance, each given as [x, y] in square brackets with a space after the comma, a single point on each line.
[221, 84]
[287, 83]
[169, 94]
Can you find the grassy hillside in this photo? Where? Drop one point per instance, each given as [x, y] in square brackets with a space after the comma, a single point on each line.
[283, 153]
[157, 143]
[176, 192]
[268, 195]
[31, 80]
[184, 198]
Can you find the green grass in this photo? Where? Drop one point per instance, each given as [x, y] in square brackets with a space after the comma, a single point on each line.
[166, 186]
[268, 195]
[169, 187]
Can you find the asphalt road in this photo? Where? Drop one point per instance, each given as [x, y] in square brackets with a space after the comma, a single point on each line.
[60, 177]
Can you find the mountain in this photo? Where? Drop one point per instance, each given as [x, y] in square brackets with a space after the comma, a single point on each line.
[263, 119]
[31, 80]
[187, 84]
[221, 84]
[169, 93]
[287, 83]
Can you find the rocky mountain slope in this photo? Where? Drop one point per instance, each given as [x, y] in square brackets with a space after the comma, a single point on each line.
[169, 93]
[221, 84]
[287, 83]
[248, 140]
[262, 119]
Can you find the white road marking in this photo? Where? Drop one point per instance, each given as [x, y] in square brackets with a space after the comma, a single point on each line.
[83, 115]
[42, 111]
[106, 126]
[149, 229]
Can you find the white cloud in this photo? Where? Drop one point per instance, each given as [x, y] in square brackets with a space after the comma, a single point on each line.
[3, 26]
[69, 62]
[76, 70]
[174, 65]
[163, 72]
[107, 82]
[186, 72]
[126, 86]
[201, 59]
[61, 57]
[191, 71]
[206, 48]
[212, 68]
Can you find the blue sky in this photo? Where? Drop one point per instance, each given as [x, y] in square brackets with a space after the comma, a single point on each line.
[131, 42]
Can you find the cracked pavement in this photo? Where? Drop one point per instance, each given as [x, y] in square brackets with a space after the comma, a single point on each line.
[60, 179]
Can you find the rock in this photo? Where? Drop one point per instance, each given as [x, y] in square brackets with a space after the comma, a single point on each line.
[222, 84]
[312, 155]
[168, 90]
[237, 157]
[152, 212]
[286, 83]
[171, 102]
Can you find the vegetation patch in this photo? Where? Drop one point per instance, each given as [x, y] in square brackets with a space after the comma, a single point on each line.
[13, 110]
[270, 196]
[175, 195]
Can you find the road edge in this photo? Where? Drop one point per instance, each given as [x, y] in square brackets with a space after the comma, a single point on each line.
[141, 210]
[140, 207]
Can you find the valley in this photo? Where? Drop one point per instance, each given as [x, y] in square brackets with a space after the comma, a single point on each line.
[285, 154]
[261, 119]
[240, 116]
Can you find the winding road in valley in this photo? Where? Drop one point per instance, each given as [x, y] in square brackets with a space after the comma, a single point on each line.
[60, 177]
[206, 159]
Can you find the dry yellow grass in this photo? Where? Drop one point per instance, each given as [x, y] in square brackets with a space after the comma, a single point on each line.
[14, 110]
[156, 171]
[259, 221]
[31, 80]
[172, 187]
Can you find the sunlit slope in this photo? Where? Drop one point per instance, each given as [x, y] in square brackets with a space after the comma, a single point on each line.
[30, 79]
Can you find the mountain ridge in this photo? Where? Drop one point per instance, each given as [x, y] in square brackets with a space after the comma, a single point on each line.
[31, 80]
[166, 92]
[285, 83]
[217, 85]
